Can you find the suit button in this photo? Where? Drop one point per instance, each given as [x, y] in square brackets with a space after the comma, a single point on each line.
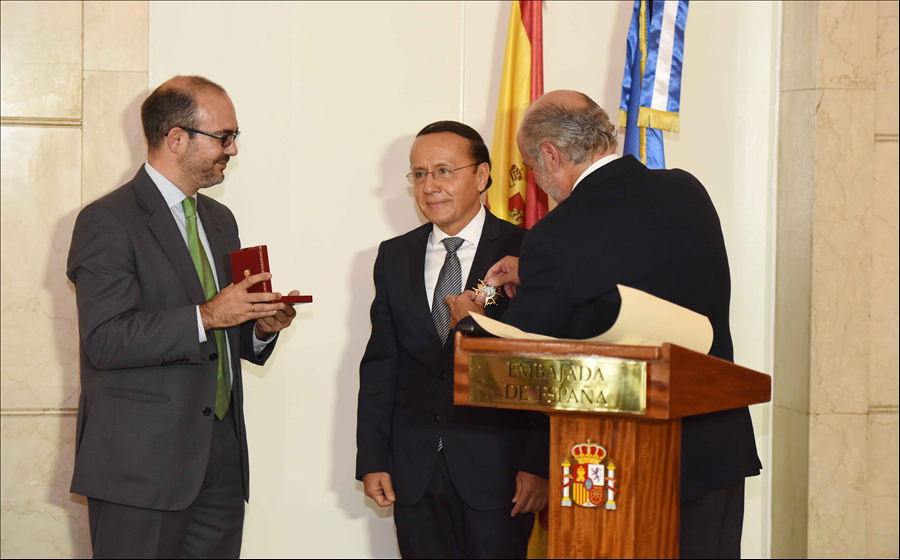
[213, 357]
[437, 418]
[443, 375]
[207, 411]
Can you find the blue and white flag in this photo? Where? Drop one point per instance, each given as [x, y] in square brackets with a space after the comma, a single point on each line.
[651, 88]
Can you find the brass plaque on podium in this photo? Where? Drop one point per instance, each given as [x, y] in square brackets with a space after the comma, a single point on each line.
[587, 383]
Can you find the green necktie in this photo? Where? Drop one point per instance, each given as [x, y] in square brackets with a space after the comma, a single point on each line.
[204, 271]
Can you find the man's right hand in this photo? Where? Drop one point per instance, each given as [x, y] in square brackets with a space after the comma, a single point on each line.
[505, 273]
[234, 305]
[378, 487]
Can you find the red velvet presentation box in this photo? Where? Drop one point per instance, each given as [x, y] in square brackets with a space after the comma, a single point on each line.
[255, 260]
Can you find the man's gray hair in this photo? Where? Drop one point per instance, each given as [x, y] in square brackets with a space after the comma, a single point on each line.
[578, 132]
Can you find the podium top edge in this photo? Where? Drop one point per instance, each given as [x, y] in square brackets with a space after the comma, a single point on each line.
[506, 345]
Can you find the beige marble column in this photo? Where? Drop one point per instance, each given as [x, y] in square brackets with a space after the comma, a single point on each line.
[835, 434]
[841, 278]
[73, 76]
[882, 486]
[795, 195]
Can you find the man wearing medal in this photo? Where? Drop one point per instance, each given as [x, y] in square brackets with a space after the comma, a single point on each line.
[464, 482]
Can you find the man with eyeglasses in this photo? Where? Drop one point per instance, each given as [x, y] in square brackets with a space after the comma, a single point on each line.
[464, 482]
[161, 446]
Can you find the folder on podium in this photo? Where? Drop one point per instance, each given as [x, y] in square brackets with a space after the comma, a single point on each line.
[615, 429]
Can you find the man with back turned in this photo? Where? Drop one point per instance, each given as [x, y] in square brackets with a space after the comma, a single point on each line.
[464, 482]
[618, 222]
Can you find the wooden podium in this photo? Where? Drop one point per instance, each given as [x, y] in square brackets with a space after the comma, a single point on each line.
[627, 400]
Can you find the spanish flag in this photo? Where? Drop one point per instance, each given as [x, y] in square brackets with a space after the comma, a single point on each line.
[514, 196]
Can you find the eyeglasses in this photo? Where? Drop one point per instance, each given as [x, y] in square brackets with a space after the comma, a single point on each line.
[441, 175]
[227, 139]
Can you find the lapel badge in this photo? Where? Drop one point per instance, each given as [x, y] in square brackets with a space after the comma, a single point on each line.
[585, 477]
[491, 292]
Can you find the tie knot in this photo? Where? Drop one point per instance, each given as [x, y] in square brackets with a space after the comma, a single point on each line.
[452, 243]
[190, 207]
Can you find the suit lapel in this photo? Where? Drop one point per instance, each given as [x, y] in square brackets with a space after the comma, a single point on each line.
[486, 255]
[163, 226]
[218, 247]
[419, 300]
[218, 244]
[485, 258]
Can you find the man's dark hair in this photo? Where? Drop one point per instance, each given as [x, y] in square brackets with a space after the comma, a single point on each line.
[174, 104]
[477, 148]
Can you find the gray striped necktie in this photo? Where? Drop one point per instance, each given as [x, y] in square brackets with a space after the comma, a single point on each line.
[449, 283]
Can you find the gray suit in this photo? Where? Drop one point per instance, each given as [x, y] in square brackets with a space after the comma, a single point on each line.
[148, 386]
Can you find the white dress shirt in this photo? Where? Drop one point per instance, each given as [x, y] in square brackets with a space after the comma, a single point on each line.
[595, 166]
[436, 252]
[173, 197]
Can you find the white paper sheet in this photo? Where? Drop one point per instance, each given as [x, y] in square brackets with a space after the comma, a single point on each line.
[643, 320]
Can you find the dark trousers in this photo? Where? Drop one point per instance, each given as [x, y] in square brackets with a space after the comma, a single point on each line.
[442, 525]
[211, 527]
[711, 525]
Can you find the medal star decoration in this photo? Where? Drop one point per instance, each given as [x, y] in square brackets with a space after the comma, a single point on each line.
[491, 293]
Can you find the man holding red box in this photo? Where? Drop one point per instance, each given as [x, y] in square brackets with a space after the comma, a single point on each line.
[161, 448]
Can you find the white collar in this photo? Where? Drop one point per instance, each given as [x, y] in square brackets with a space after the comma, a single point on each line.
[470, 233]
[595, 166]
[172, 194]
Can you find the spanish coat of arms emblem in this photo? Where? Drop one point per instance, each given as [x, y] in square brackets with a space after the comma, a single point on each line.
[586, 481]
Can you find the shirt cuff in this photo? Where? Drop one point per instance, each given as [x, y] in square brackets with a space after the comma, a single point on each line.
[200, 326]
[260, 345]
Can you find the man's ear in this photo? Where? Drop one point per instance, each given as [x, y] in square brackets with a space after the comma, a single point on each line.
[552, 156]
[484, 173]
[176, 140]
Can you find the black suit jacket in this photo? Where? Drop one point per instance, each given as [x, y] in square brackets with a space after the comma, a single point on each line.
[406, 387]
[147, 384]
[657, 231]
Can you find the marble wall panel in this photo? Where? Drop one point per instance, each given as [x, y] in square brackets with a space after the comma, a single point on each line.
[837, 485]
[882, 491]
[115, 36]
[846, 44]
[41, 195]
[40, 518]
[114, 145]
[884, 381]
[796, 132]
[842, 251]
[799, 22]
[853, 292]
[40, 58]
[887, 81]
[790, 472]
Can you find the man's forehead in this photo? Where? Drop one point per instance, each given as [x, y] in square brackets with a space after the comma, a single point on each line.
[442, 145]
[217, 109]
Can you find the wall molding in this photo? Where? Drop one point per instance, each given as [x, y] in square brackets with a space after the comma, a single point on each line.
[883, 409]
[887, 138]
[33, 412]
[41, 122]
